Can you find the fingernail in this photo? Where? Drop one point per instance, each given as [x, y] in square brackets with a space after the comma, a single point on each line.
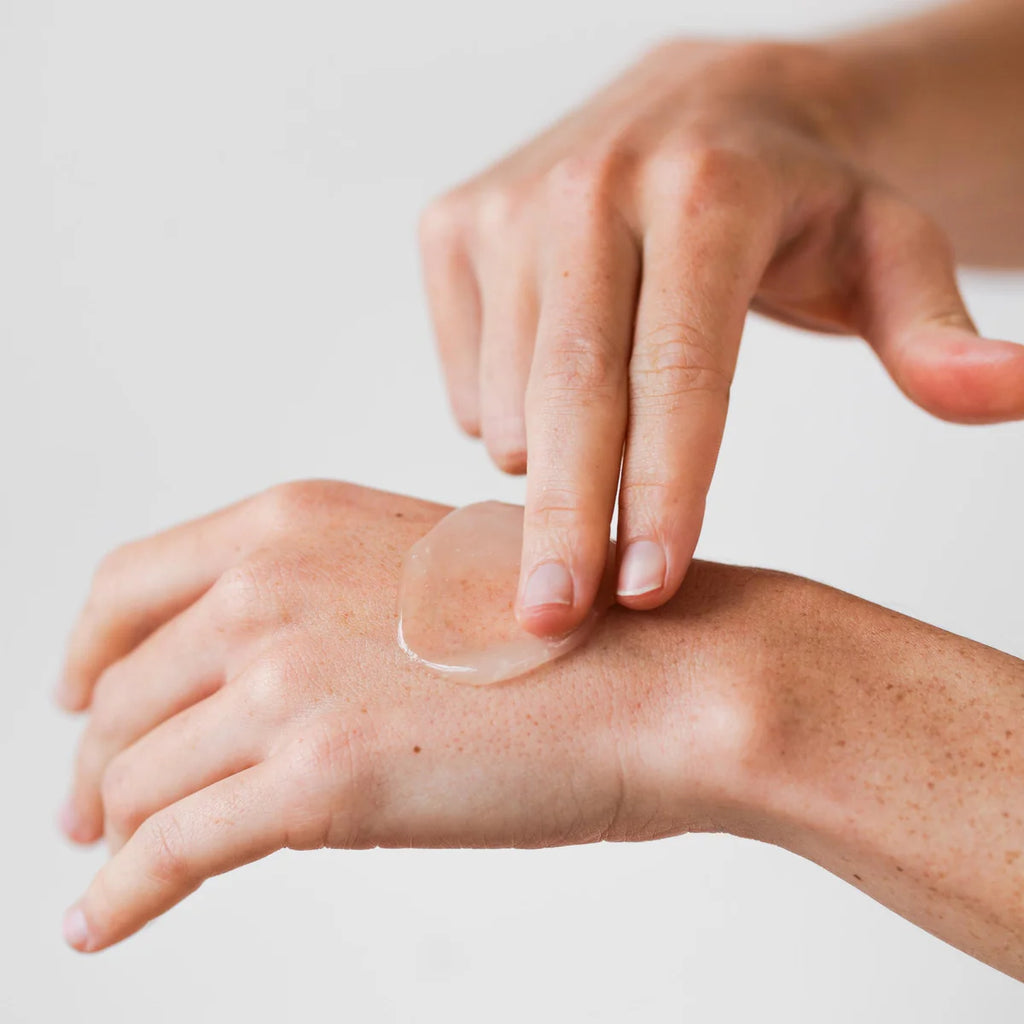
[76, 929]
[642, 569]
[68, 819]
[548, 584]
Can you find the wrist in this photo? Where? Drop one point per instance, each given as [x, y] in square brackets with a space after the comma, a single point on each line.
[702, 702]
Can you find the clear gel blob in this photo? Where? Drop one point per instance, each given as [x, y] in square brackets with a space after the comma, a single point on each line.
[457, 594]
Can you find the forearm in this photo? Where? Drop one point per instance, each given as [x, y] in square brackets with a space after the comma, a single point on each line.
[896, 762]
[933, 105]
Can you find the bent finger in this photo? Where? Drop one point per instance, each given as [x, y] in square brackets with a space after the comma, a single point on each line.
[174, 668]
[506, 352]
[221, 735]
[453, 298]
[142, 585]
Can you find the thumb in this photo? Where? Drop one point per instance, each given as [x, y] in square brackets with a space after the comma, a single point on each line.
[910, 310]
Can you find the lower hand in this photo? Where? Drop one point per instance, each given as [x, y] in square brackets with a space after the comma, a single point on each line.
[246, 692]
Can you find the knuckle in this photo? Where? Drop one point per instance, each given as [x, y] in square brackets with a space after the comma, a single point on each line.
[662, 508]
[584, 177]
[110, 569]
[926, 235]
[641, 494]
[164, 848]
[268, 687]
[285, 505]
[556, 510]
[241, 594]
[331, 760]
[441, 223]
[500, 211]
[676, 361]
[328, 754]
[579, 371]
[288, 507]
[251, 595]
[706, 172]
[715, 167]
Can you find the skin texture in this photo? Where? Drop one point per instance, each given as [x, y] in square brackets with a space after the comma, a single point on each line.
[589, 291]
[245, 693]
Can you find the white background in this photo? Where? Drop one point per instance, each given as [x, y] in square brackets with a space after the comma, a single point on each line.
[210, 284]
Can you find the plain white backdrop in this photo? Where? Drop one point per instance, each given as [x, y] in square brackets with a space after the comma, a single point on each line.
[207, 216]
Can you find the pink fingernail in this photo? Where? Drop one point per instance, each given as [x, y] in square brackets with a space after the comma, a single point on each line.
[549, 584]
[642, 569]
[76, 929]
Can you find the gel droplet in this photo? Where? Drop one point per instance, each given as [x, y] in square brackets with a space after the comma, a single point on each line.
[457, 595]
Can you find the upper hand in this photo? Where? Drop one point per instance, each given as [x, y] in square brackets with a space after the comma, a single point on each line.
[590, 290]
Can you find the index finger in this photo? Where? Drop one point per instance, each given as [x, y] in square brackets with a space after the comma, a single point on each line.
[576, 413]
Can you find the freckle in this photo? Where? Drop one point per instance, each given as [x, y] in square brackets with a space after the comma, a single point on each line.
[1012, 855]
[415, 750]
[399, 515]
[363, 710]
[842, 743]
[565, 273]
[931, 785]
[1009, 733]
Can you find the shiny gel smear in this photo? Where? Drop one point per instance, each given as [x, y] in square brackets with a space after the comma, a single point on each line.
[457, 594]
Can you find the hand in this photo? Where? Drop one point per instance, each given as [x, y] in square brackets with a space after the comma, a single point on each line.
[246, 692]
[590, 290]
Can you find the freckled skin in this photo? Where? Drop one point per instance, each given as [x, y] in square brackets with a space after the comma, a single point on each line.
[272, 707]
[457, 599]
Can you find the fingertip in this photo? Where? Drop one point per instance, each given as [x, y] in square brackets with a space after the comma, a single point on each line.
[469, 423]
[76, 826]
[76, 931]
[72, 703]
[964, 378]
[551, 602]
[641, 569]
[69, 694]
[509, 457]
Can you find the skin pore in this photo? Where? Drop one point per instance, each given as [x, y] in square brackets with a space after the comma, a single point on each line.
[261, 640]
[456, 598]
[589, 290]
